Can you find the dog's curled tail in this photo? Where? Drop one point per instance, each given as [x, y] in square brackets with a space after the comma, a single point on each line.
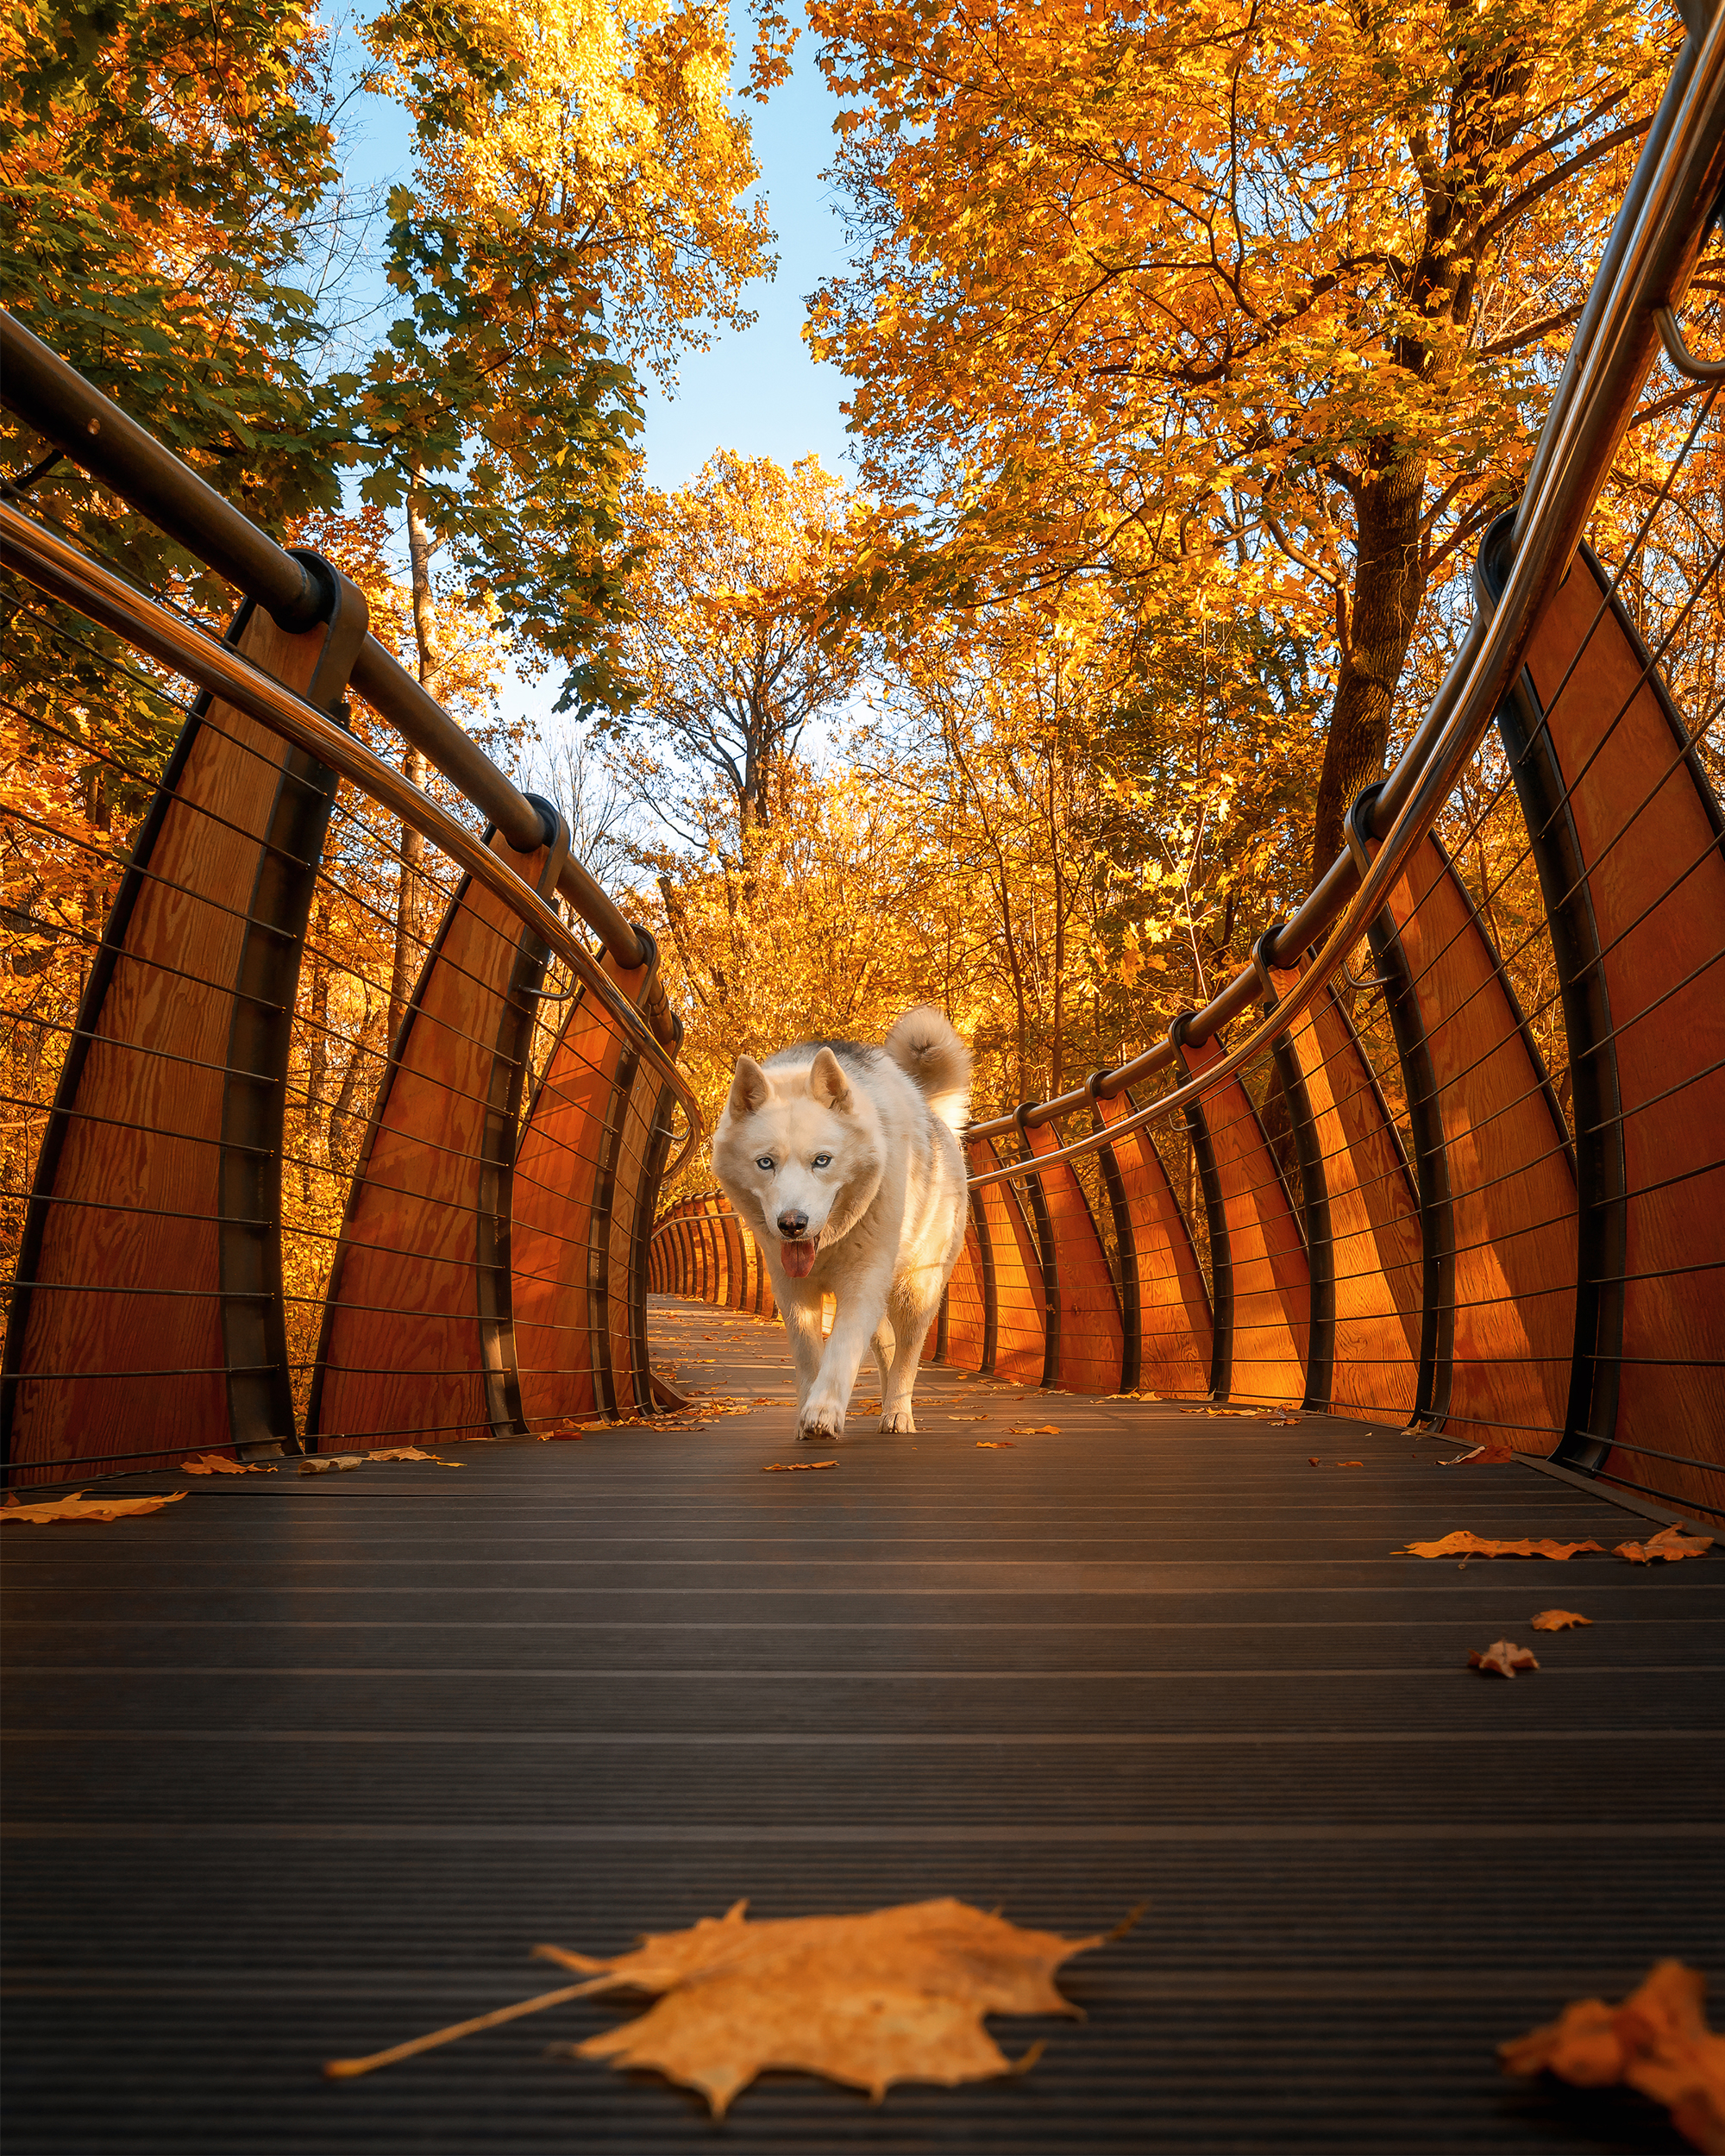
[926, 1047]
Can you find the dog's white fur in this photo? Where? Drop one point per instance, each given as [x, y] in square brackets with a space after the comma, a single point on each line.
[860, 1145]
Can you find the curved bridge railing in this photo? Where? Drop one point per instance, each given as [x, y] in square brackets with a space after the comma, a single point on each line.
[256, 1215]
[1466, 1163]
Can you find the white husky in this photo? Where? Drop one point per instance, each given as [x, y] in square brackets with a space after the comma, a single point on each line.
[844, 1162]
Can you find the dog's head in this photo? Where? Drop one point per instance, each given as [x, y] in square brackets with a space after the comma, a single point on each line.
[799, 1150]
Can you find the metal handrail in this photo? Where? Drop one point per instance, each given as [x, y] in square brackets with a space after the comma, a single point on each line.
[54, 566]
[1647, 264]
[93, 431]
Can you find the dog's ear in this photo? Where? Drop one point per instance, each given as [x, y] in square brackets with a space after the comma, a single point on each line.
[828, 1083]
[750, 1087]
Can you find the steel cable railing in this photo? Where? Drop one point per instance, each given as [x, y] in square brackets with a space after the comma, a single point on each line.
[315, 1144]
[1491, 1200]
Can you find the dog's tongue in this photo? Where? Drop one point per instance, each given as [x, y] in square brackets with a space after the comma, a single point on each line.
[798, 1258]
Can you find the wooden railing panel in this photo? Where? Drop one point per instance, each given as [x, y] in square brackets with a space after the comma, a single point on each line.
[1018, 1275]
[403, 1356]
[1374, 1215]
[148, 1314]
[551, 1250]
[1174, 1305]
[1271, 1283]
[1090, 1330]
[1511, 1186]
[1652, 854]
[966, 1317]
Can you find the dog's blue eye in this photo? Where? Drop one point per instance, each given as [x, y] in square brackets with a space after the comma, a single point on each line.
[766, 1162]
[822, 1160]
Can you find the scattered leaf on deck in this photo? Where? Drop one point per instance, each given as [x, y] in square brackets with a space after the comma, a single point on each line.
[1657, 2040]
[1314, 1461]
[970, 1418]
[1560, 1620]
[413, 1452]
[797, 1467]
[1502, 1658]
[1461, 1459]
[995, 1444]
[1671, 1543]
[1350, 1462]
[898, 1995]
[213, 1463]
[77, 1507]
[1461, 1543]
[1036, 1430]
[331, 1463]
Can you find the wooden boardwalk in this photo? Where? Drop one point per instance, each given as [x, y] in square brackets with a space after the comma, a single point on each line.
[300, 1767]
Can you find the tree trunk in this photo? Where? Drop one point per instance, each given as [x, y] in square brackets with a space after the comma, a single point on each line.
[1373, 636]
[404, 969]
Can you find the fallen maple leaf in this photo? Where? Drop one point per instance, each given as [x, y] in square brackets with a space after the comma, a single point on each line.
[1502, 1658]
[995, 1444]
[331, 1463]
[413, 1452]
[1560, 1620]
[1350, 1462]
[1313, 1461]
[1036, 1430]
[213, 1463]
[797, 1467]
[970, 1418]
[897, 1995]
[1671, 1543]
[75, 1506]
[1462, 1543]
[1657, 2041]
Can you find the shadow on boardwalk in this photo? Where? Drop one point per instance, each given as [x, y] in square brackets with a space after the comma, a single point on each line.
[303, 1766]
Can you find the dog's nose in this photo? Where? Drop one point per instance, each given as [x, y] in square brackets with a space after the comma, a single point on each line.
[793, 1223]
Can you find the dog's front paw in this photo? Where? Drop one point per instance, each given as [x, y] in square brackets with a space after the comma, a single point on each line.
[821, 1422]
[898, 1421]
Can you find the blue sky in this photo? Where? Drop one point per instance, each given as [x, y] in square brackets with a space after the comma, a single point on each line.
[756, 390]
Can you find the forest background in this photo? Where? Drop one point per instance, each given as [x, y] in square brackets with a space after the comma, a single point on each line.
[1189, 352]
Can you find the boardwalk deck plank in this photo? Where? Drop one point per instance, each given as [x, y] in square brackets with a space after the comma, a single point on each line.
[305, 1765]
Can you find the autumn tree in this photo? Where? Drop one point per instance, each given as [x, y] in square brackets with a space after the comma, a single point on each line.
[726, 636]
[1248, 304]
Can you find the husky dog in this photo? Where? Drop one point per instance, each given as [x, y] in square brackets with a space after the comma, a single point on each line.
[843, 1160]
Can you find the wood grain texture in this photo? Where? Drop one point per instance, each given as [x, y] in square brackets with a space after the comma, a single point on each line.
[1374, 1214]
[1174, 1307]
[136, 1195]
[556, 1283]
[1656, 877]
[401, 1354]
[1017, 1274]
[1510, 1181]
[1090, 1333]
[1272, 1284]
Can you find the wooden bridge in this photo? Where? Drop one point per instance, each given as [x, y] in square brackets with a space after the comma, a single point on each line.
[1417, 1225]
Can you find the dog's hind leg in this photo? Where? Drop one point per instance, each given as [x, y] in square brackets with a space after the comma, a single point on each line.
[884, 1344]
[910, 1328]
